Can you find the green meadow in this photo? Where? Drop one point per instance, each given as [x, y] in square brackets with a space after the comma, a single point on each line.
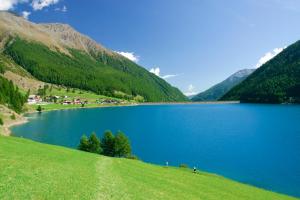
[31, 170]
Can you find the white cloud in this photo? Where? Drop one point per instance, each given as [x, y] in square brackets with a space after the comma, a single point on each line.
[130, 55]
[268, 56]
[26, 14]
[156, 71]
[191, 90]
[40, 4]
[169, 76]
[63, 9]
[9, 4]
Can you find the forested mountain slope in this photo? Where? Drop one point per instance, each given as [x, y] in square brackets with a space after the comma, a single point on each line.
[56, 53]
[277, 81]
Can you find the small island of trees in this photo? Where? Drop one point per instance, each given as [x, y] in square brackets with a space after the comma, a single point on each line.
[109, 145]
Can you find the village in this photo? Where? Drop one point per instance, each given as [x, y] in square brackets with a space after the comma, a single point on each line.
[65, 100]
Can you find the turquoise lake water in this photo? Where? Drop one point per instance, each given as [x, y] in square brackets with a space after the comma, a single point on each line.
[250, 143]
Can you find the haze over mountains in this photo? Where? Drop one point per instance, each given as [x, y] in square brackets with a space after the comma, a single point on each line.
[58, 54]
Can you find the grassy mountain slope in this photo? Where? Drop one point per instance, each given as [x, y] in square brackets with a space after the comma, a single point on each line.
[217, 91]
[56, 53]
[30, 170]
[277, 81]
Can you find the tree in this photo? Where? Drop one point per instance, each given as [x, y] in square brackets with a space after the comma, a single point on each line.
[39, 108]
[108, 142]
[84, 143]
[1, 121]
[122, 146]
[94, 144]
[2, 70]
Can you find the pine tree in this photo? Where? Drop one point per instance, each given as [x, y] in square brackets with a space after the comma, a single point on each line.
[94, 144]
[84, 143]
[108, 142]
[122, 146]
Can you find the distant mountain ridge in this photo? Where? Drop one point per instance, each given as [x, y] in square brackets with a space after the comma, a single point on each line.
[217, 91]
[58, 54]
[277, 81]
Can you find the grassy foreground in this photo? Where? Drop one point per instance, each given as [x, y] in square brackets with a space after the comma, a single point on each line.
[30, 170]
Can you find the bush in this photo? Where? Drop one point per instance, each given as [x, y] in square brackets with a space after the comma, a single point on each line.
[133, 157]
[39, 108]
[1, 121]
[183, 166]
[13, 117]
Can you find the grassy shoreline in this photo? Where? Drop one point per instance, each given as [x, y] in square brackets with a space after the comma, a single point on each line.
[33, 170]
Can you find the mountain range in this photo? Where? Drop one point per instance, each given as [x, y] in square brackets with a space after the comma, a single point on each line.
[217, 91]
[277, 81]
[58, 54]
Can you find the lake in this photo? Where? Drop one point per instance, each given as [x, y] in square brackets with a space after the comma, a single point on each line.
[251, 143]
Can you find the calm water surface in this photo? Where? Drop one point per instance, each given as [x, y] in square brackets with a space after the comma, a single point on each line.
[254, 144]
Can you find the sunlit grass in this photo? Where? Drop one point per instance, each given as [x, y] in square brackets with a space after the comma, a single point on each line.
[30, 170]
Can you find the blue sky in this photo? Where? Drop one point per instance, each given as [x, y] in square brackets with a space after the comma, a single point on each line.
[194, 43]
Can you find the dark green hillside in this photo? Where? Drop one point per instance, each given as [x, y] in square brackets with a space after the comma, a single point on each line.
[277, 81]
[10, 95]
[217, 91]
[99, 72]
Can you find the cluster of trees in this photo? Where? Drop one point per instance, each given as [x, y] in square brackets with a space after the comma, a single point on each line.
[11, 96]
[277, 81]
[101, 73]
[109, 145]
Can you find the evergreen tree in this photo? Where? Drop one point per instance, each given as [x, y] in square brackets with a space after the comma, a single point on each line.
[84, 143]
[39, 108]
[122, 146]
[94, 144]
[108, 142]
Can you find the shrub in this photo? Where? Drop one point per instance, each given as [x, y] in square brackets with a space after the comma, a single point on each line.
[39, 108]
[183, 165]
[13, 117]
[133, 157]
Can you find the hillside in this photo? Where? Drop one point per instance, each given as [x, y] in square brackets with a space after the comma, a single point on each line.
[217, 91]
[10, 95]
[277, 81]
[33, 170]
[58, 54]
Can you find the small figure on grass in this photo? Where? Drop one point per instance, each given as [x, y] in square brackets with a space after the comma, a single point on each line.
[194, 169]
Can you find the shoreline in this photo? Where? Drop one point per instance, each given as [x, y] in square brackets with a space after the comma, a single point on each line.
[22, 120]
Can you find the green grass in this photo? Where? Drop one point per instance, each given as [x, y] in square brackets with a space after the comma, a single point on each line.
[49, 107]
[30, 170]
[76, 94]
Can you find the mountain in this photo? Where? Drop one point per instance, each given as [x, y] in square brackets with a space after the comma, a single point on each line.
[277, 81]
[58, 54]
[218, 90]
